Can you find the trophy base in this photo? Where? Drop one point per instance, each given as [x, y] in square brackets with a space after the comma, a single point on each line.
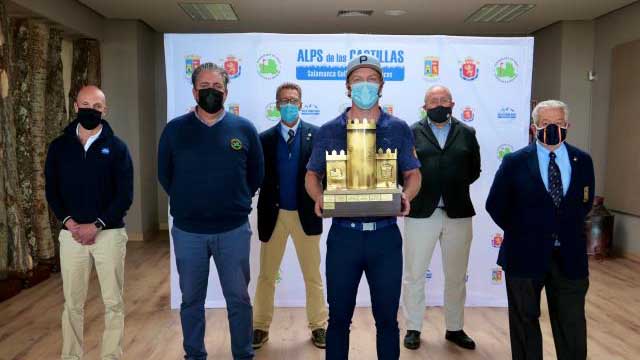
[360, 203]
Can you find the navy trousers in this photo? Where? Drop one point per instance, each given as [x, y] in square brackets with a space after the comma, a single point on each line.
[230, 252]
[378, 254]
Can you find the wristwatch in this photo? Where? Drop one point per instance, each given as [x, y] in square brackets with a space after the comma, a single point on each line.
[98, 224]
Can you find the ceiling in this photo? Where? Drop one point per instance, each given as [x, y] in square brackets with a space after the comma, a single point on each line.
[319, 16]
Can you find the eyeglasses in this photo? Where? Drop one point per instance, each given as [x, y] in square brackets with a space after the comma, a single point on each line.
[295, 102]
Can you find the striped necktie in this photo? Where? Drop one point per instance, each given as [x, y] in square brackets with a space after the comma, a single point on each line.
[292, 134]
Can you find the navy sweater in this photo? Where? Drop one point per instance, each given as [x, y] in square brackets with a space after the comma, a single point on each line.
[89, 185]
[210, 173]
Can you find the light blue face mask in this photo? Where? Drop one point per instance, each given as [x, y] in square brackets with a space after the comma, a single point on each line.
[289, 113]
[365, 94]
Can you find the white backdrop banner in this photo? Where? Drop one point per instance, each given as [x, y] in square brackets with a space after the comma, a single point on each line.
[490, 79]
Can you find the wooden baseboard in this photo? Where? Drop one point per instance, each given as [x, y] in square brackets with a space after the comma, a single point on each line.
[164, 226]
[139, 236]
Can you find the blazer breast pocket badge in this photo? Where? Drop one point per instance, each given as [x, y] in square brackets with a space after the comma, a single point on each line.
[586, 194]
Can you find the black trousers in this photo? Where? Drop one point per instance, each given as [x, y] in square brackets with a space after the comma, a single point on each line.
[565, 298]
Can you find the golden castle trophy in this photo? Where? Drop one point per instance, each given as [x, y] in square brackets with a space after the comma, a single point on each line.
[362, 181]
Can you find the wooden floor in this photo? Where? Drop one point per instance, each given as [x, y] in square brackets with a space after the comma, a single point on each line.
[30, 322]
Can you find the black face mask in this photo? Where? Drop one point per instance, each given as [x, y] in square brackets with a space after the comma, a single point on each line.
[89, 118]
[439, 114]
[210, 100]
[552, 134]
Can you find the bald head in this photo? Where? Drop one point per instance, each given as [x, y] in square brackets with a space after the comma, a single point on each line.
[91, 96]
[437, 95]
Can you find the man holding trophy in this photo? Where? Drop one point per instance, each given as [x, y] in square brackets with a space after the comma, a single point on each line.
[360, 152]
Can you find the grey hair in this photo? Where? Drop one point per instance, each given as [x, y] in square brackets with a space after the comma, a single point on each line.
[430, 89]
[550, 104]
[209, 66]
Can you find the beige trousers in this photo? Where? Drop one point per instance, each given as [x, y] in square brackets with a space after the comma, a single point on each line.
[76, 260]
[308, 251]
[421, 236]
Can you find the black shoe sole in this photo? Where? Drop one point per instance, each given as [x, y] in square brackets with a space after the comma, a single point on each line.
[259, 345]
[468, 347]
[412, 346]
[319, 345]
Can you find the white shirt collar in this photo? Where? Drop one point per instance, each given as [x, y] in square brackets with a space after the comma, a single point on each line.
[91, 138]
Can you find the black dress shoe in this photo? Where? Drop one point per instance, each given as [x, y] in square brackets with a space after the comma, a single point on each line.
[412, 339]
[461, 339]
[259, 338]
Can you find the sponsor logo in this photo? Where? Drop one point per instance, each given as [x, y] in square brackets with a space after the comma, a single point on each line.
[232, 66]
[268, 66]
[310, 111]
[496, 276]
[432, 68]
[506, 69]
[271, 112]
[428, 274]
[468, 114]
[422, 113]
[234, 109]
[191, 62]
[504, 150]
[469, 69]
[105, 151]
[507, 113]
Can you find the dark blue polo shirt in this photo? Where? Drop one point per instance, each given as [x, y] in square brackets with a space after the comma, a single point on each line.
[391, 133]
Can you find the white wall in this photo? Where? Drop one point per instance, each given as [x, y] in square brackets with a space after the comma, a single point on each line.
[611, 30]
[564, 53]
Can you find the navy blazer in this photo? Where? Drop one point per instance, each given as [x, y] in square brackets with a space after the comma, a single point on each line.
[521, 205]
[268, 201]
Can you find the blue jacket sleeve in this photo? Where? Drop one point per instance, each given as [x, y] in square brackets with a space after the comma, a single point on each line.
[51, 187]
[255, 162]
[165, 161]
[121, 203]
[499, 196]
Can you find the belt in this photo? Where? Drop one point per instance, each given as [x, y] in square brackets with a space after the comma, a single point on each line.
[364, 226]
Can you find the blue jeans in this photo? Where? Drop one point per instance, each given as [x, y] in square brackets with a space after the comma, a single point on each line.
[230, 251]
[378, 254]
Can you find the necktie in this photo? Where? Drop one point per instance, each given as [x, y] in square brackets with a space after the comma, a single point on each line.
[555, 181]
[290, 140]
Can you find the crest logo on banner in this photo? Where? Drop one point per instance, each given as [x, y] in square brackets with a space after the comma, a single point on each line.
[496, 276]
[268, 66]
[504, 150]
[507, 113]
[432, 68]
[234, 109]
[468, 114]
[388, 109]
[310, 112]
[232, 66]
[469, 69]
[191, 62]
[271, 112]
[506, 69]
[496, 241]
